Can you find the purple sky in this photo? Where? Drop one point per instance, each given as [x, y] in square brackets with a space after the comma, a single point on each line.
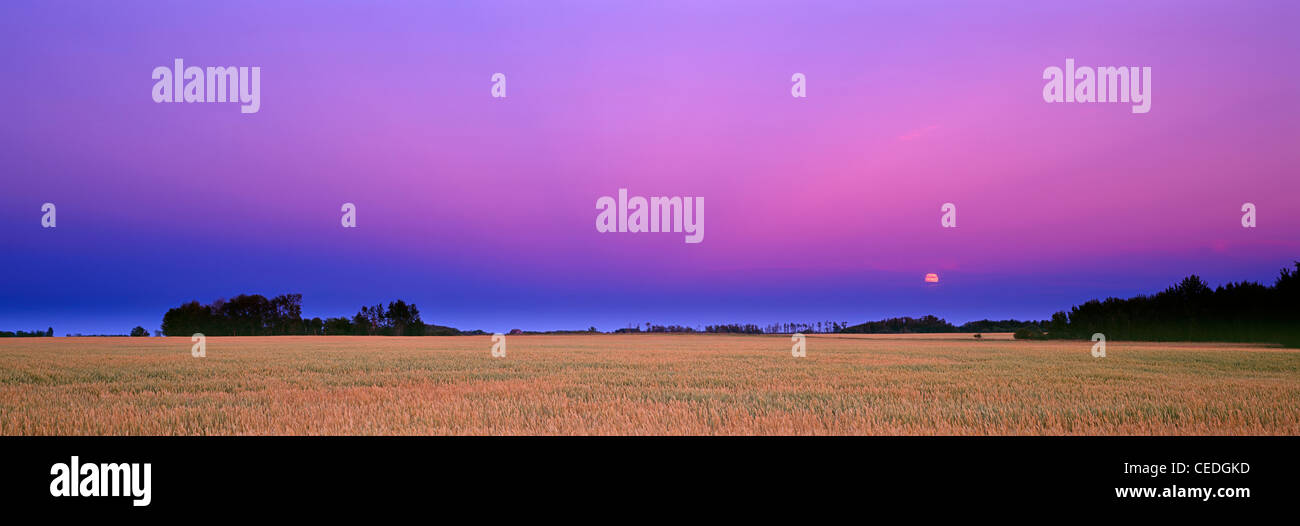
[481, 210]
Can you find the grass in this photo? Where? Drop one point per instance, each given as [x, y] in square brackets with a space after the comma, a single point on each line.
[643, 384]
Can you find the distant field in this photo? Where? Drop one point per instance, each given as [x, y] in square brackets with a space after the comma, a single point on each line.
[642, 384]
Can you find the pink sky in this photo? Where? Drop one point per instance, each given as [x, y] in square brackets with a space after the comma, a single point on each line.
[818, 208]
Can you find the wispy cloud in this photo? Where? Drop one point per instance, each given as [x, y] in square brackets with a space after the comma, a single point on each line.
[916, 134]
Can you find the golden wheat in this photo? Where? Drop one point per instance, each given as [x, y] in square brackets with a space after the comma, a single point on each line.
[642, 384]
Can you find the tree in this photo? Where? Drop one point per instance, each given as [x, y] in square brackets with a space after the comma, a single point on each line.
[248, 315]
[139, 331]
[1192, 311]
[254, 315]
[286, 314]
[1059, 327]
[403, 318]
[338, 326]
[361, 323]
[1029, 333]
[189, 319]
[906, 324]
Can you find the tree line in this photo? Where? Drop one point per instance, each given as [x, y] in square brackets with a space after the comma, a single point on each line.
[1192, 311]
[28, 334]
[924, 324]
[1188, 311]
[256, 315]
[740, 328]
[933, 324]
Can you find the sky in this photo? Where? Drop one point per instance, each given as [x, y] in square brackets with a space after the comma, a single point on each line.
[481, 210]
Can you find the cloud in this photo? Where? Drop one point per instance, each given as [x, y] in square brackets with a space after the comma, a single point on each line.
[916, 134]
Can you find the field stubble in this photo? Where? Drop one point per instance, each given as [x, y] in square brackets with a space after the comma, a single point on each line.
[642, 384]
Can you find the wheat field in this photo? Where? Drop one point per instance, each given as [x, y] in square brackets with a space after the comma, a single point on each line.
[643, 384]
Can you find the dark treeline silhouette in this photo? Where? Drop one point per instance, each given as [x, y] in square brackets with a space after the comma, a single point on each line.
[740, 328]
[658, 328]
[1002, 326]
[255, 315]
[591, 330]
[242, 315]
[1192, 311]
[809, 328]
[737, 329]
[1188, 311]
[907, 324]
[923, 324]
[24, 334]
[733, 328]
[932, 324]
